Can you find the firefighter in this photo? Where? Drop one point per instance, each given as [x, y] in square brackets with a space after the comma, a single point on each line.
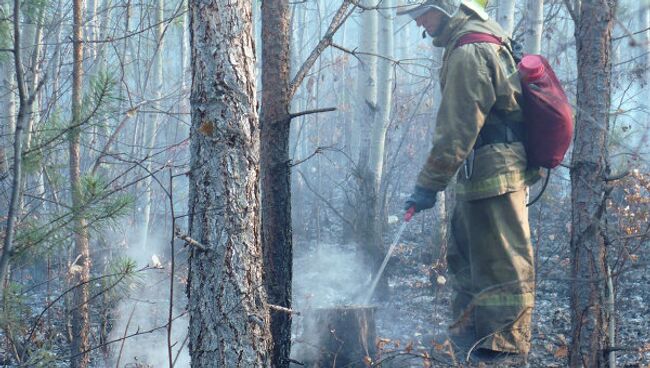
[479, 138]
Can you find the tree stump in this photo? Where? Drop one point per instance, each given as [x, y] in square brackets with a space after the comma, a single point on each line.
[340, 337]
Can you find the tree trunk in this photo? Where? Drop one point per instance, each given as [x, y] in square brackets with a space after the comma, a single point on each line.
[506, 15]
[534, 26]
[8, 105]
[229, 320]
[276, 172]
[153, 122]
[589, 193]
[366, 232]
[79, 272]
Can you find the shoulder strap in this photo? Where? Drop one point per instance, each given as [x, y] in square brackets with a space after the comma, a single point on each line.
[477, 37]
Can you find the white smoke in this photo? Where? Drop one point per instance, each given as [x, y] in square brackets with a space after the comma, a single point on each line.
[146, 308]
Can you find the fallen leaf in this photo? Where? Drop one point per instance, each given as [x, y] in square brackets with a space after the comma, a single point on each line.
[206, 128]
[409, 347]
[561, 352]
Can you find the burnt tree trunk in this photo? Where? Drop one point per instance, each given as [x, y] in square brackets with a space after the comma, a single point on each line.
[229, 321]
[589, 168]
[275, 173]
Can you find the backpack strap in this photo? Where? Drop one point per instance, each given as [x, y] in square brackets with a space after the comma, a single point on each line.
[477, 37]
[497, 133]
[514, 48]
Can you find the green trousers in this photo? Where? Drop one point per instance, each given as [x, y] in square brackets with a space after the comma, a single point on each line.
[490, 262]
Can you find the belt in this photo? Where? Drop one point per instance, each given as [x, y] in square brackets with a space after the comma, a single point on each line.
[508, 132]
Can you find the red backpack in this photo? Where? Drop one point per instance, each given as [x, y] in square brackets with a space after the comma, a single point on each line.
[547, 113]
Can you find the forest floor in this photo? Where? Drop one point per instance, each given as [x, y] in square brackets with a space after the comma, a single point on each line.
[416, 310]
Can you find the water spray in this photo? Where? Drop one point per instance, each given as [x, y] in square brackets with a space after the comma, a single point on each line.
[407, 217]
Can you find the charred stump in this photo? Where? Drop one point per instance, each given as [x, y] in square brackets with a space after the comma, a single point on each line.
[340, 337]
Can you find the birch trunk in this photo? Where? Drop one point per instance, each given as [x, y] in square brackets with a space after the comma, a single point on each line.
[8, 104]
[534, 26]
[229, 320]
[275, 172]
[79, 272]
[153, 121]
[589, 167]
[644, 49]
[506, 15]
[367, 232]
[386, 79]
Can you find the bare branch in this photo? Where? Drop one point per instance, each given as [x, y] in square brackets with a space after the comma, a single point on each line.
[337, 21]
[308, 112]
[571, 10]
[189, 240]
[283, 309]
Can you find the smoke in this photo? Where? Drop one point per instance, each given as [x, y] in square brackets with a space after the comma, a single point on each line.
[331, 275]
[146, 308]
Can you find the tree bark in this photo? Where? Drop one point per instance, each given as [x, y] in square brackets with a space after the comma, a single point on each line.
[276, 172]
[589, 192]
[229, 320]
[79, 272]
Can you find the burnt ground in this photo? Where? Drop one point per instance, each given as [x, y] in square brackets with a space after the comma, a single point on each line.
[417, 310]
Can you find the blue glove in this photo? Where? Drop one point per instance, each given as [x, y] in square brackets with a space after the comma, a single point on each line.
[421, 199]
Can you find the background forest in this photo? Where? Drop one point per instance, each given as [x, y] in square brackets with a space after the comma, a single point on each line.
[99, 186]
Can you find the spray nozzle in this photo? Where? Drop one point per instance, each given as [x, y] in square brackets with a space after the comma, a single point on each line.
[409, 214]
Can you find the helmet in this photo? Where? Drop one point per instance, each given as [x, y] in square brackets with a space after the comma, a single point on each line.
[477, 7]
[416, 8]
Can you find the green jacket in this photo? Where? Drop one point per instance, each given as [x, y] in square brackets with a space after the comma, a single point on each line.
[480, 86]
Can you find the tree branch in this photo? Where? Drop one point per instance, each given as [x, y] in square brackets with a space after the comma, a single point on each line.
[308, 112]
[189, 240]
[337, 21]
[571, 10]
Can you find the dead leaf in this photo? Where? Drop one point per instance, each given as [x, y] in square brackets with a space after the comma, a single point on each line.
[206, 128]
[561, 352]
[409, 347]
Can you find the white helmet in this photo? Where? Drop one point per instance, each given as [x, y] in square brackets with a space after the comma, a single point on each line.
[416, 8]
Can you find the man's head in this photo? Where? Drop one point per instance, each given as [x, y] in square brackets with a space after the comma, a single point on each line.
[433, 22]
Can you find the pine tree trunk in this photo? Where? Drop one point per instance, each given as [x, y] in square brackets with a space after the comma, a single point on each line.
[534, 26]
[79, 272]
[276, 172]
[229, 320]
[588, 169]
